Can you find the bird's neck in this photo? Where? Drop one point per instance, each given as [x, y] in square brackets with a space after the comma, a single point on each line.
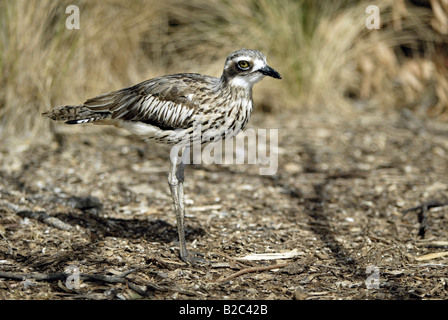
[235, 86]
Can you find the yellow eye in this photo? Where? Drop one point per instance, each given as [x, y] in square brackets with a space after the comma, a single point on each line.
[243, 64]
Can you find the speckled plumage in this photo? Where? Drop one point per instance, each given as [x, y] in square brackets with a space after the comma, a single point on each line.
[173, 109]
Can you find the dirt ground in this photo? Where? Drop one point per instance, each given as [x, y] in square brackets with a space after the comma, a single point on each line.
[356, 210]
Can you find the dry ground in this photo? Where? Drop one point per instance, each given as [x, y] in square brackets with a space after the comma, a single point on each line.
[99, 202]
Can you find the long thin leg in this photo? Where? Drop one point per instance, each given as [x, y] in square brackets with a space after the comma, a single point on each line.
[180, 178]
[173, 182]
[176, 183]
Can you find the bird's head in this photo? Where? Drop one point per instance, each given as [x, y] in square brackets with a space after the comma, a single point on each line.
[246, 67]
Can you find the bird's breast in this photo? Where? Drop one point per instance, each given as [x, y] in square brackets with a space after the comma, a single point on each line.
[225, 121]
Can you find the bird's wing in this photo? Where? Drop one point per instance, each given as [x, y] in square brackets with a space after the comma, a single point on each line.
[167, 102]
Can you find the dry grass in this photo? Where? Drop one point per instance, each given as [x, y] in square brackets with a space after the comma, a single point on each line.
[407, 64]
[322, 49]
[45, 64]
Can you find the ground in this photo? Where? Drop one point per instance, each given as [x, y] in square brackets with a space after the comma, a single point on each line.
[358, 202]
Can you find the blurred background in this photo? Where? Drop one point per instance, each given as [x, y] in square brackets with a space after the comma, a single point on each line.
[329, 60]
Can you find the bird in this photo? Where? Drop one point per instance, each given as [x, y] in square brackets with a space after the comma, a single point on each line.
[179, 110]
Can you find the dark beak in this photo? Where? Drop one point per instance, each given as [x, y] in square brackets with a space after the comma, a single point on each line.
[268, 71]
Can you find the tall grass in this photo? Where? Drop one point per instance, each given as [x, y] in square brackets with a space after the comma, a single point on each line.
[322, 49]
[44, 64]
[33, 60]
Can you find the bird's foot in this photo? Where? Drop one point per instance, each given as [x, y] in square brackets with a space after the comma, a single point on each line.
[194, 259]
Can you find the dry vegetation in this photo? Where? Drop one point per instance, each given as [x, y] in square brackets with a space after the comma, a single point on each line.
[80, 195]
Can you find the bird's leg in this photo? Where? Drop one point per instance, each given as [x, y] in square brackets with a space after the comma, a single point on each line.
[176, 183]
[180, 194]
[173, 182]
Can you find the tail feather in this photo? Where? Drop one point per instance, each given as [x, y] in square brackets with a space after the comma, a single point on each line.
[76, 114]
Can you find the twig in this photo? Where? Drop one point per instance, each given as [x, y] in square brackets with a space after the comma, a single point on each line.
[41, 216]
[94, 277]
[82, 276]
[45, 218]
[12, 206]
[35, 276]
[422, 211]
[428, 205]
[254, 269]
[270, 256]
[431, 256]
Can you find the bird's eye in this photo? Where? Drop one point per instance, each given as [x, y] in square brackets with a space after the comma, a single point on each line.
[243, 64]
